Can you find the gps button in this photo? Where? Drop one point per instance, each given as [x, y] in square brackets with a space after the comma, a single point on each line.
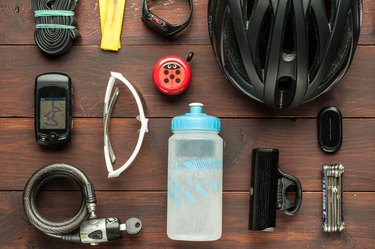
[52, 136]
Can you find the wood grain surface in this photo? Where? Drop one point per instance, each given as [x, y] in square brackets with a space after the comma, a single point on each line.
[141, 191]
[301, 231]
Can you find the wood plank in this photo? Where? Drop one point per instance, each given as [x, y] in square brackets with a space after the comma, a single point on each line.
[301, 231]
[368, 29]
[17, 23]
[296, 139]
[89, 69]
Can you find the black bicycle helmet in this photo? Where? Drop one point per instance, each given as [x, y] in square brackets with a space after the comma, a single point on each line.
[284, 52]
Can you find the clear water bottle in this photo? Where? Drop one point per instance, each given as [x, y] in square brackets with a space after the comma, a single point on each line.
[195, 177]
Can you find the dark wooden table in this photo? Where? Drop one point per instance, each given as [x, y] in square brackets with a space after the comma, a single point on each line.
[141, 191]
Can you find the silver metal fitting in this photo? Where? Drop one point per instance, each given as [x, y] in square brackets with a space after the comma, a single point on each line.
[91, 208]
[122, 227]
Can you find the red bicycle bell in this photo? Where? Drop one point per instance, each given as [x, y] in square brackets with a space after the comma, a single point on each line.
[172, 74]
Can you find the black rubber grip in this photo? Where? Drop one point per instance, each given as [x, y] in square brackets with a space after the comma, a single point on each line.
[264, 182]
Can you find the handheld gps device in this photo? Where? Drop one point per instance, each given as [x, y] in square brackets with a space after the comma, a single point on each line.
[53, 109]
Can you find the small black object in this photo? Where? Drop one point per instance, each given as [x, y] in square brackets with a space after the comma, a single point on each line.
[53, 109]
[268, 190]
[330, 129]
[161, 26]
[190, 57]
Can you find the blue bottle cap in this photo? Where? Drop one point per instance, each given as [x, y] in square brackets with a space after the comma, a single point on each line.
[195, 120]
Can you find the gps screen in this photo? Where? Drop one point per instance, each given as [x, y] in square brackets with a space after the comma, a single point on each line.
[52, 113]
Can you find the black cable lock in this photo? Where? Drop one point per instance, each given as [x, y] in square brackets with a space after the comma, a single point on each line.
[55, 25]
[83, 227]
[161, 26]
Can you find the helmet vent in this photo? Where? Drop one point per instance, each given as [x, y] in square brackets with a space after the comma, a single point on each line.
[341, 58]
[313, 43]
[248, 8]
[264, 42]
[328, 5]
[232, 51]
[284, 83]
[289, 32]
[285, 91]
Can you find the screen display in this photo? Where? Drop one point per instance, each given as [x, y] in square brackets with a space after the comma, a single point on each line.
[52, 113]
